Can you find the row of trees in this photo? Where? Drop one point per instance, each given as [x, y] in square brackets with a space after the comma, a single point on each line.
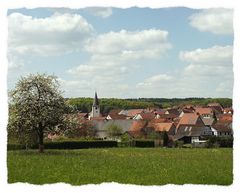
[85, 104]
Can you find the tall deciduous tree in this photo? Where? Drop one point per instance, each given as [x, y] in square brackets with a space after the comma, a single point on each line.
[36, 106]
[114, 131]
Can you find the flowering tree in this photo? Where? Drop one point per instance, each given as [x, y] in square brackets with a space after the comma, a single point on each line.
[36, 106]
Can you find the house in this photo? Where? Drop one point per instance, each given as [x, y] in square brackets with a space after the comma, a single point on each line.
[159, 112]
[208, 121]
[168, 117]
[216, 107]
[145, 116]
[83, 115]
[130, 113]
[222, 129]
[173, 111]
[186, 110]
[204, 112]
[170, 128]
[102, 125]
[225, 118]
[136, 128]
[228, 111]
[191, 129]
[114, 114]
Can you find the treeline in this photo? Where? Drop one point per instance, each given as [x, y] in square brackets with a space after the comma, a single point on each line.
[165, 102]
[107, 104]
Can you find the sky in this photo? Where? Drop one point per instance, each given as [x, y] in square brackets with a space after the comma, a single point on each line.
[125, 53]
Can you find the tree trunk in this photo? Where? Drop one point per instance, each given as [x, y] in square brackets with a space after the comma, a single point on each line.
[40, 142]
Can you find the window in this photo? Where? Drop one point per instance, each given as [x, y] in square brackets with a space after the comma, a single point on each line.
[185, 128]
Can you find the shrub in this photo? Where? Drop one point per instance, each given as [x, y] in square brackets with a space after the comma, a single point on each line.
[15, 147]
[143, 143]
[68, 145]
[215, 141]
[80, 144]
[178, 143]
[187, 146]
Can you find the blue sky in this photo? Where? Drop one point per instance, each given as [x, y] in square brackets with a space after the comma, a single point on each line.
[125, 53]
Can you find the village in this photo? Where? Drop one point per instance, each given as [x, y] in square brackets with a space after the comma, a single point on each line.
[189, 124]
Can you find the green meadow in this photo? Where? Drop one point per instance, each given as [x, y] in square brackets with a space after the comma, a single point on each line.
[143, 166]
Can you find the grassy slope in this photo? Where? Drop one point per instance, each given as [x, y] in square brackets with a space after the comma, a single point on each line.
[123, 165]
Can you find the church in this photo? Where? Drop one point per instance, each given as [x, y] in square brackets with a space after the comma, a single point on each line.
[95, 108]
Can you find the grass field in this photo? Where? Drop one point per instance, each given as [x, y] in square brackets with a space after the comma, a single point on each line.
[145, 166]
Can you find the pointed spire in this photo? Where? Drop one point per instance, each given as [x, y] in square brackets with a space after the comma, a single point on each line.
[95, 102]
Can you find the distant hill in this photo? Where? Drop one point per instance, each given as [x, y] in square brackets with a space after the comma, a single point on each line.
[106, 104]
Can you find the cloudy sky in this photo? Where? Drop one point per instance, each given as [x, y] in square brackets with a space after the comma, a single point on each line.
[125, 53]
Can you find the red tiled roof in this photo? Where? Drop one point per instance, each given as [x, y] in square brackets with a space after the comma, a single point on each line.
[173, 111]
[114, 111]
[98, 118]
[114, 114]
[202, 110]
[160, 120]
[160, 112]
[133, 112]
[169, 116]
[224, 117]
[162, 126]
[137, 125]
[188, 119]
[147, 116]
[228, 110]
[222, 127]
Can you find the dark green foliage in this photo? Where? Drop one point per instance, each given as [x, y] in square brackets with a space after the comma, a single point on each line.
[85, 104]
[178, 143]
[215, 141]
[15, 147]
[80, 144]
[187, 145]
[165, 139]
[142, 166]
[73, 144]
[114, 131]
[143, 143]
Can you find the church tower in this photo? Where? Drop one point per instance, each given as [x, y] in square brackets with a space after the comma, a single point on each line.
[95, 108]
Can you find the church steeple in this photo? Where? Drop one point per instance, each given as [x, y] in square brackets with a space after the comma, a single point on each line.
[95, 102]
[95, 107]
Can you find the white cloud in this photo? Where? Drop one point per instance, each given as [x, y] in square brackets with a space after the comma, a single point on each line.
[57, 34]
[208, 73]
[214, 61]
[143, 44]
[217, 21]
[216, 55]
[155, 81]
[116, 55]
[102, 12]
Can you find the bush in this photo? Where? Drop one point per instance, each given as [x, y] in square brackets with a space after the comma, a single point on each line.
[215, 141]
[79, 144]
[67, 145]
[143, 143]
[187, 146]
[124, 144]
[178, 143]
[15, 147]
